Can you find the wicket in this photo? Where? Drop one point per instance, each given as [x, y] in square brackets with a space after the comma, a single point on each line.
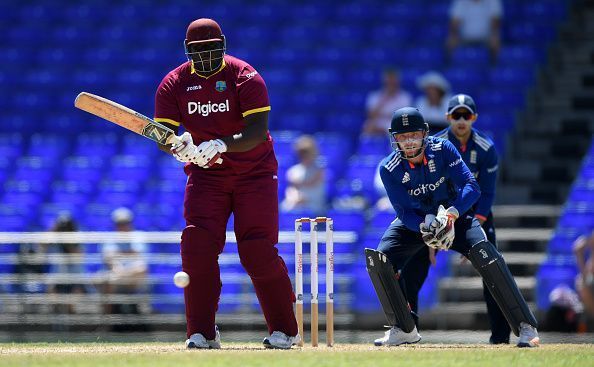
[314, 278]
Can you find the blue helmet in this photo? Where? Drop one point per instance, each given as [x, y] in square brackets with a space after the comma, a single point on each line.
[406, 120]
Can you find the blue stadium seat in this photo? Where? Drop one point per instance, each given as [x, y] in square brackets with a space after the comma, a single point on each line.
[133, 167]
[97, 144]
[374, 145]
[548, 10]
[581, 222]
[465, 77]
[348, 220]
[520, 55]
[510, 99]
[286, 220]
[474, 56]
[527, 32]
[380, 222]
[562, 243]
[11, 145]
[512, 77]
[550, 275]
[365, 300]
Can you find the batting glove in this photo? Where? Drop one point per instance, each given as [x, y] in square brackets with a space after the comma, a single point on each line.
[209, 153]
[185, 150]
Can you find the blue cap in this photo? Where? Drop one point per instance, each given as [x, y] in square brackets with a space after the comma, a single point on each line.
[461, 101]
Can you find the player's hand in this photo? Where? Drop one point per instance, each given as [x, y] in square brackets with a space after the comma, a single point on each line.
[428, 236]
[443, 226]
[209, 153]
[185, 150]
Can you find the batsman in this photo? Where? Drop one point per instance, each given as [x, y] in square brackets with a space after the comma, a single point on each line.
[433, 192]
[222, 103]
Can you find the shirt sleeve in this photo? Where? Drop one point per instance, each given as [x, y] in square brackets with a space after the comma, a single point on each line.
[400, 201]
[166, 106]
[496, 10]
[456, 10]
[469, 190]
[253, 94]
[487, 183]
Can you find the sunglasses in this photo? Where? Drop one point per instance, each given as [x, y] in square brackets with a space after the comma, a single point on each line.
[465, 115]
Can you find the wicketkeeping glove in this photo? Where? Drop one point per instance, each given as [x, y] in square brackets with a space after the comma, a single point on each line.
[428, 236]
[426, 232]
[443, 227]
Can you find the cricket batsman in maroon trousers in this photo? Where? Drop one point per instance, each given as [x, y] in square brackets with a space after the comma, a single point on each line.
[222, 103]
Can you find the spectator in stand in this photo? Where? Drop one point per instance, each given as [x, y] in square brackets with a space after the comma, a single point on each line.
[306, 180]
[126, 269]
[475, 22]
[433, 104]
[584, 283]
[68, 264]
[565, 312]
[381, 104]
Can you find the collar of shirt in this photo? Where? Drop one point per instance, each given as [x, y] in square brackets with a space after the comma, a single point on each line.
[461, 147]
[412, 166]
[193, 70]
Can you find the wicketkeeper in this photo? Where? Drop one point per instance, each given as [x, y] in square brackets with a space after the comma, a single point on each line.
[433, 191]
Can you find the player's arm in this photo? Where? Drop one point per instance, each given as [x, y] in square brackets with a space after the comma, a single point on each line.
[255, 132]
[488, 181]
[166, 109]
[400, 201]
[579, 249]
[469, 191]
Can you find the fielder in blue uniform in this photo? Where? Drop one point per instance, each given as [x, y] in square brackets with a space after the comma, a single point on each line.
[433, 192]
[479, 154]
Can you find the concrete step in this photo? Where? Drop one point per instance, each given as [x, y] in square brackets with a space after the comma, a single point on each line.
[527, 193]
[520, 264]
[525, 216]
[557, 122]
[470, 289]
[458, 315]
[571, 147]
[536, 171]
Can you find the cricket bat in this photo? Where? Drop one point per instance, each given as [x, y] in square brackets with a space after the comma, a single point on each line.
[126, 118]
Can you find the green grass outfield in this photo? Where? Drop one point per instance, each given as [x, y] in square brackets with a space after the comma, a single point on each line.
[245, 354]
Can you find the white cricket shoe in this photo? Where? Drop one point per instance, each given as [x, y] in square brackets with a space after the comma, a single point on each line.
[395, 336]
[280, 340]
[198, 341]
[528, 336]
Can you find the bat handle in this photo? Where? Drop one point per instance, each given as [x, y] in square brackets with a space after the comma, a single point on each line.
[173, 139]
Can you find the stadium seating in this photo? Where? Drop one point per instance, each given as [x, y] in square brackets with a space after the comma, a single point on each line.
[575, 220]
[318, 65]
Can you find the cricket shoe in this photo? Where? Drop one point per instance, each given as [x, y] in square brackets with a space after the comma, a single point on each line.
[395, 336]
[198, 341]
[528, 336]
[280, 340]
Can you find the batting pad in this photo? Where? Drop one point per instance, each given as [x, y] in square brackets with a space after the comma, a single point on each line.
[385, 283]
[490, 264]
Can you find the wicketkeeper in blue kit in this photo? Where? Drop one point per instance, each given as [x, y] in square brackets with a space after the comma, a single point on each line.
[433, 192]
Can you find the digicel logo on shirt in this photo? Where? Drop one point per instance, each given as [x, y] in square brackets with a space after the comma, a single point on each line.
[205, 109]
